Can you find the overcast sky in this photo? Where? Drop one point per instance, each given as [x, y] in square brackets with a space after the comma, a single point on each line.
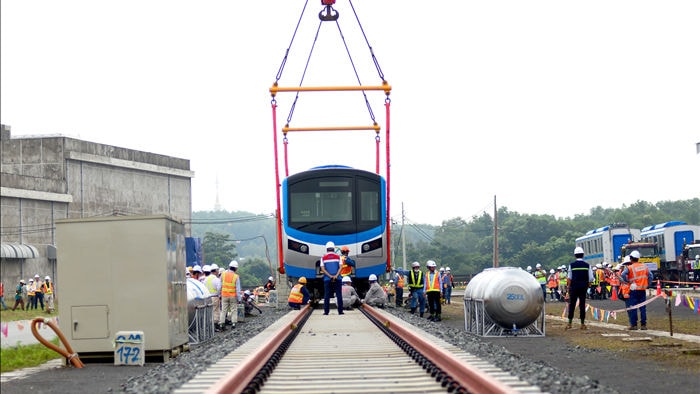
[554, 107]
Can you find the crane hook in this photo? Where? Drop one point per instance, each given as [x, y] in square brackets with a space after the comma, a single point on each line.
[331, 14]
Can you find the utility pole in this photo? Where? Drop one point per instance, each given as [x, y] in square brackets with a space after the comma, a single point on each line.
[403, 237]
[495, 233]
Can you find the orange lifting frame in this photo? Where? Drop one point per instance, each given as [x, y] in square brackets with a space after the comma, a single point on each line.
[277, 89]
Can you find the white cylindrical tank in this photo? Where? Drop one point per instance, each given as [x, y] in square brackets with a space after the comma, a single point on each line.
[511, 296]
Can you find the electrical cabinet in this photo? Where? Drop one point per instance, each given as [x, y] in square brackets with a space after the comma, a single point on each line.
[122, 274]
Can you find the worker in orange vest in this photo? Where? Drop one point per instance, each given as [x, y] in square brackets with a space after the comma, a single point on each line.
[346, 263]
[639, 277]
[231, 295]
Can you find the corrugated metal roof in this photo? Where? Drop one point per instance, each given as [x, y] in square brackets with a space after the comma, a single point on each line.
[18, 251]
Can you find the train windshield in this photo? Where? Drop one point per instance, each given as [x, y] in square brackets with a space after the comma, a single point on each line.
[334, 205]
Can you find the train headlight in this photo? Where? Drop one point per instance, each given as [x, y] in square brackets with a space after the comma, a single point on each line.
[372, 245]
[297, 246]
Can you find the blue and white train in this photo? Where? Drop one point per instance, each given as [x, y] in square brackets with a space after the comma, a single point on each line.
[604, 244]
[671, 237]
[340, 204]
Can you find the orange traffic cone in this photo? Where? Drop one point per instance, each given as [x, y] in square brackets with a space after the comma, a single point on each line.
[614, 293]
[658, 287]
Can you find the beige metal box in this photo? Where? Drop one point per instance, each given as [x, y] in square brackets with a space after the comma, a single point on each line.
[122, 274]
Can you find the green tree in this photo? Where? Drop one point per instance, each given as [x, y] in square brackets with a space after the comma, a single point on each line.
[218, 248]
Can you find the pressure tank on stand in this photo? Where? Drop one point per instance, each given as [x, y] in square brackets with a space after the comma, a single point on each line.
[512, 297]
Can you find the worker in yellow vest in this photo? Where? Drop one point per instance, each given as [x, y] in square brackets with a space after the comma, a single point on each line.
[48, 290]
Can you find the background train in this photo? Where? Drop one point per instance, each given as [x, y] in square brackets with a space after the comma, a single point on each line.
[661, 246]
[340, 204]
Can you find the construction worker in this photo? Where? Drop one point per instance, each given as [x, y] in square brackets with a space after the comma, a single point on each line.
[31, 294]
[624, 286]
[600, 278]
[213, 284]
[19, 301]
[541, 275]
[433, 290]
[39, 291]
[48, 291]
[561, 271]
[231, 295]
[553, 285]
[593, 288]
[415, 287]
[270, 285]
[350, 297]
[696, 268]
[346, 263]
[399, 280]
[375, 295]
[389, 291]
[615, 281]
[639, 277]
[330, 267]
[298, 295]
[448, 284]
[577, 282]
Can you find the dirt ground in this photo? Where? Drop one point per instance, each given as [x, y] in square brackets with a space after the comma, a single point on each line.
[639, 366]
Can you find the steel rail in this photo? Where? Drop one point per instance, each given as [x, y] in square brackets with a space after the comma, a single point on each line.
[239, 379]
[474, 380]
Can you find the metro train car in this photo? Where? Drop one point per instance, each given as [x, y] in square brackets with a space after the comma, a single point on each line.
[604, 244]
[340, 204]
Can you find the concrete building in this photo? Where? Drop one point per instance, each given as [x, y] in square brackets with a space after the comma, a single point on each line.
[45, 178]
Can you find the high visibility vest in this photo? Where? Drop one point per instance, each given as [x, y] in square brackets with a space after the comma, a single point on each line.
[639, 275]
[416, 281]
[209, 283]
[345, 269]
[562, 278]
[595, 278]
[295, 294]
[434, 284]
[228, 284]
[541, 277]
[615, 280]
[31, 289]
[48, 289]
[599, 275]
[552, 283]
[399, 281]
[625, 289]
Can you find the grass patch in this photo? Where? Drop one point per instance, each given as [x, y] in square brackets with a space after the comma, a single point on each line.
[10, 315]
[13, 358]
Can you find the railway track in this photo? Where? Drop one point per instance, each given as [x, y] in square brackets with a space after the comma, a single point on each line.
[365, 350]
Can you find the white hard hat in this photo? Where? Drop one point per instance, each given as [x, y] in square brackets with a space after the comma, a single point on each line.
[372, 277]
[197, 268]
[269, 278]
[595, 268]
[206, 268]
[21, 281]
[447, 269]
[697, 256]
[31, 280]
[442, 269]
[391, 281]
[578, 250]
[330, 245]
[47, 277]
[214, 267]
[538, 265]
[247, 292]
[36, 276]
[529, 268]
[346, 279]
[551, 271]
[599, 265]
[634, 254]
[430, 263]
[233, 264]
[626, 260]
[415, 264]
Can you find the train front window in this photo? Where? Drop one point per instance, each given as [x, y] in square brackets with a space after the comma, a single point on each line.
[334, 205]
